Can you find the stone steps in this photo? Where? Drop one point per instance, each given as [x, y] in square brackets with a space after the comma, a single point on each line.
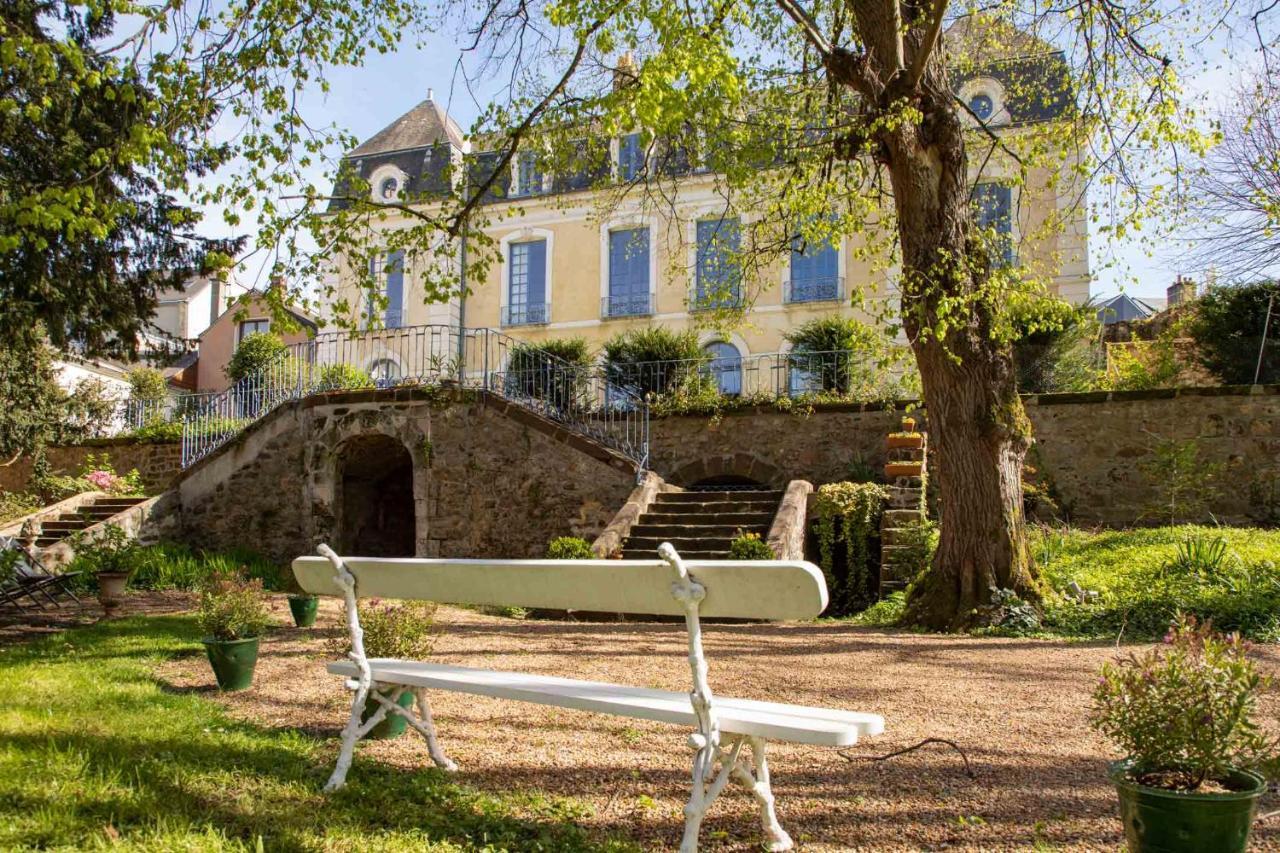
[66, 524]
[701, 524]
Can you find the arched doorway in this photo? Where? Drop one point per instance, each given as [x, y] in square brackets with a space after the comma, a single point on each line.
[375, 473]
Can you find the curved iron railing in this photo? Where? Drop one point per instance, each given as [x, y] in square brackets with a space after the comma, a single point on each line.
[577, 397]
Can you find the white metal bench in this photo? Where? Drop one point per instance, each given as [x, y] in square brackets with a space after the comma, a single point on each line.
[666, 587]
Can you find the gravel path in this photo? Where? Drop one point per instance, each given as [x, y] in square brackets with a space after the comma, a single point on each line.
[1016, 707]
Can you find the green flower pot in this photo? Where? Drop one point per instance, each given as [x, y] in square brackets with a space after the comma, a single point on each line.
[303, 608]
[1161, 821]
[393, 725]
[232, 661]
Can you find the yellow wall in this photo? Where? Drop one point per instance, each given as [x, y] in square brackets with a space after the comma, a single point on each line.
[577, 250]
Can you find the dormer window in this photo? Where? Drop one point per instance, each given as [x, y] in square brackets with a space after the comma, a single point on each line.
[389, 188]
[387, 184]
[985, 99]
[631, 156]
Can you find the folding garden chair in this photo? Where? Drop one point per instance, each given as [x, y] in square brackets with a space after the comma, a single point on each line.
[30, 583]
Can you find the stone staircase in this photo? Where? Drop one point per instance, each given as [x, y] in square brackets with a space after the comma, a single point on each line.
[700, 524]
[58, 528]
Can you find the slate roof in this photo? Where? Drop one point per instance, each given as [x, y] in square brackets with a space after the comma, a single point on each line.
[423, 126]
[1124, 308]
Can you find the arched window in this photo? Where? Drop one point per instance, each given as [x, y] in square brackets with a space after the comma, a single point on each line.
[385, 372]
[725, 367]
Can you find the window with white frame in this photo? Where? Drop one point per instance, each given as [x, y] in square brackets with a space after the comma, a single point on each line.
[385, 307]
[724, 367]
[526, 284]
[717, 278]
[628, 273]
[993, 213]
[630, 157]
[528, 174]
[815, 271]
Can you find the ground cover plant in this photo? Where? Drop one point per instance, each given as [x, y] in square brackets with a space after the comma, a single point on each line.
[95, 752]
[1137, 581]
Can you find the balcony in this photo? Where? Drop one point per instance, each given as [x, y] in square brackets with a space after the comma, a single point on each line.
[640, 305]
[533, 314]
[825, 289]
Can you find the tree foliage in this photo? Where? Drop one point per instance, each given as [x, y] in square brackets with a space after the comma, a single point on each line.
[94, 153]
[147, 385]
[1228, 326]
[255, 353]
[38, 411]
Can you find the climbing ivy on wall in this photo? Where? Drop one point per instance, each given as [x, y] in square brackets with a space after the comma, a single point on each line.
[848, 512]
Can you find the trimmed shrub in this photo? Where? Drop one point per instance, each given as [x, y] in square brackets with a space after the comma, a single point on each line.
[341, 377]
[569, 548]
[406, 630]
[844, 357]
[655, 361]
[555, 371]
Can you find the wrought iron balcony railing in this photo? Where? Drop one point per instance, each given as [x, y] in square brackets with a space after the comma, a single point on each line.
[640, 305]
[824, 289]
[529, 314]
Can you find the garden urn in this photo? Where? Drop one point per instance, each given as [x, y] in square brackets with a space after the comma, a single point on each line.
[111, 591]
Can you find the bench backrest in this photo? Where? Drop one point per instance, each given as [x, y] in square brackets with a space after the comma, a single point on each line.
[736, 589]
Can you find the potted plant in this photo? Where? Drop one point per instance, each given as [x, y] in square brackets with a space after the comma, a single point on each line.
[110, 557]
[893, 470]
[405, 631]
[1182, 714]
[304, 607]
[232, 616]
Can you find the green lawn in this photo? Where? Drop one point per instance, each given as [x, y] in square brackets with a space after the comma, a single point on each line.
[95, 753]
[1141, 583]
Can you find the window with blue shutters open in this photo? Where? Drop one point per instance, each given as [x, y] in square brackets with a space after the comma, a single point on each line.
[628, 274]
[526, 284]
[815, 272]
[387, 272]
[993, 213]
[717, 276]
[630, 157]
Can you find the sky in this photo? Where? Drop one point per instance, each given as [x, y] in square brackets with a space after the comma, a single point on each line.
[366, 99]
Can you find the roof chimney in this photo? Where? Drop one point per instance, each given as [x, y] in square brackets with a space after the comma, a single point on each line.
[626, 73]
[277, 284]
[431, 94]
[1182, 290]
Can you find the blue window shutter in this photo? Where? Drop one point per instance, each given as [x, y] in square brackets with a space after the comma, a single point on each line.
[537, 293]
[718, 241]
[394, 289]
[629, 156]
[629, 262]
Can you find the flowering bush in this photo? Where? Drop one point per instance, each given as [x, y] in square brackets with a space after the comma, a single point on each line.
[749, 546]
[398, 630]
[231, 607]
[1183, 712]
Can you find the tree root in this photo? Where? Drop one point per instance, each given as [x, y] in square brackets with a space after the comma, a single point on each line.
[906, 749]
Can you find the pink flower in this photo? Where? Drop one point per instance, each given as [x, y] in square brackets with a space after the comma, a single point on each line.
[104, 480]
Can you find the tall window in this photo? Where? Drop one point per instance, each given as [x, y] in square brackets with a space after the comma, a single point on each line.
[993, 205]
[815, 272]
[630, 157]
[716, 270]
[251, 327]
[388, 276]
[725, 367]
[527, 284]
[628, 273]
[528, 174]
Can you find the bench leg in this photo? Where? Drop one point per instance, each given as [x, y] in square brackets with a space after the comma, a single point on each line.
[350, 735]
[758, 785]
[427, 727]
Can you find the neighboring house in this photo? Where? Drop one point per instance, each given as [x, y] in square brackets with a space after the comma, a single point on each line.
[1124, 308]
[218, 342]
[185, 312]
[564, 272]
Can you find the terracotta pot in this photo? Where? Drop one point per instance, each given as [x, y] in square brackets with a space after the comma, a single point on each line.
[915, 442]
[894, 470]
[908, 424]
[111, 590]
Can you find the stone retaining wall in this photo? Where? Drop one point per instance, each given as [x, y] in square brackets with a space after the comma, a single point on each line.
[157, 463]
[1091, 452]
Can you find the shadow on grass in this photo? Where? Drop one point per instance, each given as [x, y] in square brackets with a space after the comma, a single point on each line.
[88, 740]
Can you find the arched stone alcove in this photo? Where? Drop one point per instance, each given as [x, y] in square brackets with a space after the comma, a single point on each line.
[376, 506]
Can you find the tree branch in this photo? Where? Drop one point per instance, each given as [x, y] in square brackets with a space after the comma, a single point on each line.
[921, 58]
[808, 27]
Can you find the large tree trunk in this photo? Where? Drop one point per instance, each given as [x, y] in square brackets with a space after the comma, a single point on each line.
[977, 426]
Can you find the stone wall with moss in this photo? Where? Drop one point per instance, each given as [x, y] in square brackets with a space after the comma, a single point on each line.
[1102, 458]
[488, 479]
